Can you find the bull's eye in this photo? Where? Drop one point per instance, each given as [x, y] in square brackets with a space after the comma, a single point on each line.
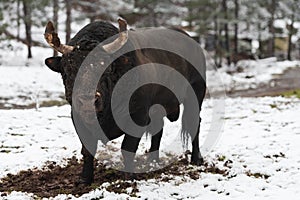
[98, 94]
[98, 102]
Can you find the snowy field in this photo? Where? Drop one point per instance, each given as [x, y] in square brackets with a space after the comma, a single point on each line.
[248, 74]
[261, 136]
[259, 144]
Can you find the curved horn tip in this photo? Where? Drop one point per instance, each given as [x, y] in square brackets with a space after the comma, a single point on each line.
[122, 24]
[49, 23]
[49, 27]
[53, 40]
[120, 19]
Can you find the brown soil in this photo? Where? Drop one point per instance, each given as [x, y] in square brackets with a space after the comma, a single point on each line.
[53, 179]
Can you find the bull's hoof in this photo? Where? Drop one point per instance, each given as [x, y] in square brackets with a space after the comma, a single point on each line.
[153, 158]
[197, 160]
[84, 182]
[130, 176]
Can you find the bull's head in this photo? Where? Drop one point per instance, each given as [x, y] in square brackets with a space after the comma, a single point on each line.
[53, 40]
[70, 62]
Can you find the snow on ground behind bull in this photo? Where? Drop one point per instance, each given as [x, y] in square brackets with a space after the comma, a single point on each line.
[261, 135]
[254, 74]
[26, 85]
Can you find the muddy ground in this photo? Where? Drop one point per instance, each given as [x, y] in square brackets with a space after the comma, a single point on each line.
[53, 179]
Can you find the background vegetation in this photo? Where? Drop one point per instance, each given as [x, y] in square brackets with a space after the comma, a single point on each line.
[230, 30]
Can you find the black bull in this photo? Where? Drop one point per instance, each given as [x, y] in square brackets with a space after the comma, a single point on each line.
[142, 99]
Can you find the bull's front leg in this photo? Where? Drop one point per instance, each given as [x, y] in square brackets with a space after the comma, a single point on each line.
[129, 147]
[87, 174]
[88, 153]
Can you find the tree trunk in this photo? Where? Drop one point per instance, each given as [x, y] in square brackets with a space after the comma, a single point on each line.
[299, 49]
[27, 22]
[18, 19]
[154, 19]
[190, 21]
[271, 44]
[92, 18]
[216, 42]
[291, 32]
[224, 5]
[55, 19]
[236, 26]
[260, 48]
[68, 20]
[220, 47]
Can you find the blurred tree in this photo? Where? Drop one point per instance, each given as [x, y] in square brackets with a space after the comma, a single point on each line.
[212, 17]
[201, 15]
[29, 12]
[236, 25]
[55, 20]
[272, 8]
[27, 6]
[256, 17]
[149, 9]
[159, 12]
[290, 11]
[18, 18]
[105, 10]
[226, 30]
[68, 5]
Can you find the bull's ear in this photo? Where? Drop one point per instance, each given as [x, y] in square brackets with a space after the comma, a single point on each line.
[54, 63]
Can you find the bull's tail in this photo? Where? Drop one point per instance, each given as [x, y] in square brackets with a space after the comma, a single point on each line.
[189, 129]
[190, 117]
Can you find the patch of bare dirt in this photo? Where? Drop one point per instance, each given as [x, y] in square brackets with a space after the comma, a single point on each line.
[53, 179]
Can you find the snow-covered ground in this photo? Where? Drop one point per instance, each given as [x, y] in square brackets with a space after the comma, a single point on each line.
[248, 74]
[260, 136]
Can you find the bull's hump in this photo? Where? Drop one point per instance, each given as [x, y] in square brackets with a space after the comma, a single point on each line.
[98, 30]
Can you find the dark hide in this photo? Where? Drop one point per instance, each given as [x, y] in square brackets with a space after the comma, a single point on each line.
[142, 99]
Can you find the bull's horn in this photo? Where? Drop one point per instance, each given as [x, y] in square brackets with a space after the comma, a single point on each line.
[54, 41]
[121, 40]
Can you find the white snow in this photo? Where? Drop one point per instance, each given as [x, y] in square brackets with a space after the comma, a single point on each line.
[261, 135]
[254, 74]
[29, 84]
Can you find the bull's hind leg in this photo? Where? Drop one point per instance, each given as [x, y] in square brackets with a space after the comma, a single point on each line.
[196, 159]
[129, 147]
[154, 149]
[200, 88]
